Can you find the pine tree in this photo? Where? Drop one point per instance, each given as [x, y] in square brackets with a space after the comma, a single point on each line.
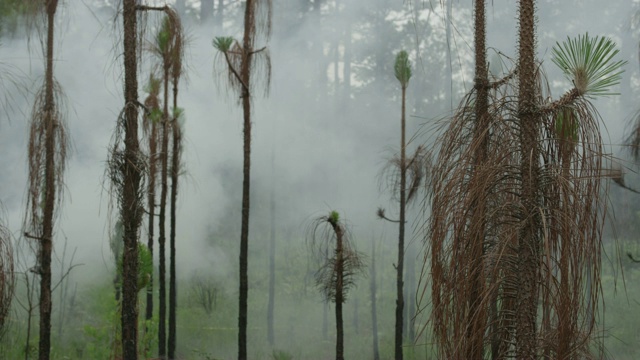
[242, 60]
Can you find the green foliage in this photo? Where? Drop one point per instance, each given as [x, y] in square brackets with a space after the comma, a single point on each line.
[145, 266]
[334, 217]
[150, 335]
[97, 337]
[154, 84]
[588, 63]
[155, 115]
[11, 14]
[115, 241]
[223, 43]
[281, 355]
[402, 68]
[204, 355]
[178, 114]
[164, 35]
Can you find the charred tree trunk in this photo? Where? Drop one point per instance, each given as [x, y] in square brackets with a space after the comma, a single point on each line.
[400, 265]
[162, 288]
[131, 214]
[339, 293]
[245, 74]
[175, 172]
[46, 241]
[151, 197]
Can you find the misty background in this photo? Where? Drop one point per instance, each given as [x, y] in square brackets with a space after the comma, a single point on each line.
[321, 137]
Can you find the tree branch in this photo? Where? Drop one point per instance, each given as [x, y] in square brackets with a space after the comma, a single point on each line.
[64, 276]
[235, 73]
[382, 216]
[151, 8]
[504, 80]
[257, 51]
[29, 236]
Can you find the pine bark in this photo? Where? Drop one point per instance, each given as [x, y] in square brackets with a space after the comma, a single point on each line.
[245, 74]
[151, 198]
[173, 300]
[400, 265]
[476, 317]
[339, 292]
[528, 252]
[50, 193]
[131, 214]
[162, 288]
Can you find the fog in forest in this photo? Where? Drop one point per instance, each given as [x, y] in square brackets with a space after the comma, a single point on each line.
[322, 136]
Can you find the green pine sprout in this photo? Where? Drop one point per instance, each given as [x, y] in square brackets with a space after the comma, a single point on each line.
[155, 115]
[334, 217]
[164, 35]
[588, 63]
[178, 112]
[223, 43]
[402, 68]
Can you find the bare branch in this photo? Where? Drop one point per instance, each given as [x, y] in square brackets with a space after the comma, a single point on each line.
[235, 73]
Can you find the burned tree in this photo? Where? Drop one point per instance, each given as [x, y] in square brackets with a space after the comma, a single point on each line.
[47, 156]
[244, 62]
[337, 272]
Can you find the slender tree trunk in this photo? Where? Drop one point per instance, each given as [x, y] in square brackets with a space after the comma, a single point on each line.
[272, 254]
[528, 252]
[339, 294]
[162, 318]
[175, 171]
[153, 159]
[374, 314]
[476, 320]
[245, 71]
[131, 214]
[400, 265]
[244, 234]
[50, 193]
